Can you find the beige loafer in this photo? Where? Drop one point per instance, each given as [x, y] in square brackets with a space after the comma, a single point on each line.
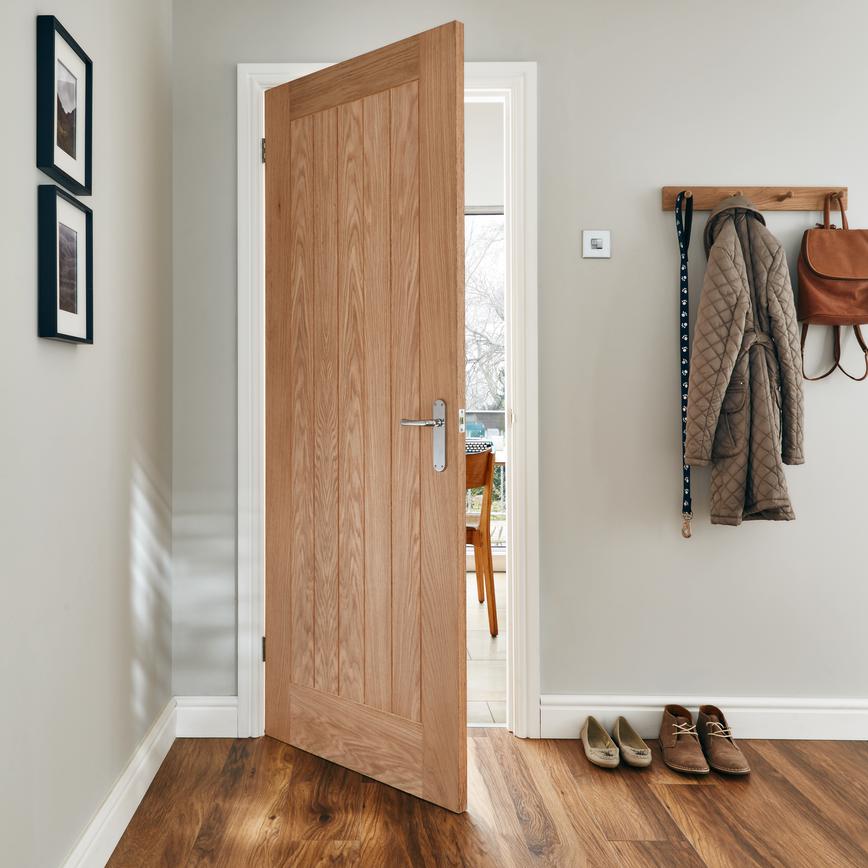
[599, 747]
[633, 750]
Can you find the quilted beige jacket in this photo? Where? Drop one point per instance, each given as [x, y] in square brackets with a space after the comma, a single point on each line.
[744, 402]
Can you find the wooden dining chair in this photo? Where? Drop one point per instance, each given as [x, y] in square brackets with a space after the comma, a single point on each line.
[480, 474]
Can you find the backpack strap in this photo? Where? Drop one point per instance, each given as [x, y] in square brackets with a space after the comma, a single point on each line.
[837, 352]
[857, 330]
[828, 201]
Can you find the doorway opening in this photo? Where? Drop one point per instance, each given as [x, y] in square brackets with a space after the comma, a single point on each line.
[513, 85]
[486, 398]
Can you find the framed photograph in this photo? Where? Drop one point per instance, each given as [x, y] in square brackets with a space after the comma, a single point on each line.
[64, 97]
[65, 267]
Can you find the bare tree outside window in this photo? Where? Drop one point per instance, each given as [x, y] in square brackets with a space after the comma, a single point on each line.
[484, 315]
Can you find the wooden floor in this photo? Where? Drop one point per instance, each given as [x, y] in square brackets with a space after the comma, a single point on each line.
[257, 802]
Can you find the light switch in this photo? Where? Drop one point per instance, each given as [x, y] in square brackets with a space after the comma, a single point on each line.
[596, 244]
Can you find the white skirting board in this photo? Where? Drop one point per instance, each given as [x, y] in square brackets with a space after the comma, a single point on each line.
[207, 716]
[183, 717]
[562, 715]
[104, 831]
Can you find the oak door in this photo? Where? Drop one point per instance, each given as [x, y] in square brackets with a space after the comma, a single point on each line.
[365, 590]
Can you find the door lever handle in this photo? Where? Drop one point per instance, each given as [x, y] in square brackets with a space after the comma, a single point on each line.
[423, 423]
[438, 423]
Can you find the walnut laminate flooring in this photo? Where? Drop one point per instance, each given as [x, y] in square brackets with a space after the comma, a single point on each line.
[258, 802]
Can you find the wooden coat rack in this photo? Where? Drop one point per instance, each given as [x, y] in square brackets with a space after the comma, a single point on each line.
[765, 198]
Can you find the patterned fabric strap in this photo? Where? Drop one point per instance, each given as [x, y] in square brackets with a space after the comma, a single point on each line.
[683, 224]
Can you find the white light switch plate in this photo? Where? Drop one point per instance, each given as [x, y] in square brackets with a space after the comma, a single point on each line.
[596, 244]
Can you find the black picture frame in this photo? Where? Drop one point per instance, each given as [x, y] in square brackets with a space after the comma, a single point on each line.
[48, 28]
[50, 280]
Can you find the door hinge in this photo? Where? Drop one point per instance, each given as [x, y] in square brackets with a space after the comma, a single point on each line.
[263, 649]
[263, 150]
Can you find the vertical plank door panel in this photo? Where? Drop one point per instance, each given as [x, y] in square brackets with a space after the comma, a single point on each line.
[377, 405]
[301, 429]
[278, 445]
[407, 445]
[351, 354]
[326, 500]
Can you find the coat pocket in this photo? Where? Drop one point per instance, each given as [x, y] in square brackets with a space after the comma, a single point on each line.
[728, 436]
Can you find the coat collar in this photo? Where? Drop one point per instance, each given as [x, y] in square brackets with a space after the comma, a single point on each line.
[724, 209]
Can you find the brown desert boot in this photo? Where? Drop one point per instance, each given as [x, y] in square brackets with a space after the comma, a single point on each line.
[715, 735]
[680, 743]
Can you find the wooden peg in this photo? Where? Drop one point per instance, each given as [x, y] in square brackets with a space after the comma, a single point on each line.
[688, 194]
[785, 196]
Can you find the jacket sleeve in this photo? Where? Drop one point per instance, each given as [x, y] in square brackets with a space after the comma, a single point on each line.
[785, 333]
[717, 340]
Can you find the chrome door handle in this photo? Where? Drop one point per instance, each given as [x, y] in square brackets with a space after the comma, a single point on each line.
[422, 423]
[438, 423]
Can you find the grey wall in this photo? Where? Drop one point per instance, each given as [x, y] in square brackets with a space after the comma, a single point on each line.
[85, 440]
[632, 96]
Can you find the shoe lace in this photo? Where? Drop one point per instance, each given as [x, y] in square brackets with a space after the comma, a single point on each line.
[719, 730]
[685, 729]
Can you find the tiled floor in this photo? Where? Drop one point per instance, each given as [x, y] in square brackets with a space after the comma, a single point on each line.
[486, 657]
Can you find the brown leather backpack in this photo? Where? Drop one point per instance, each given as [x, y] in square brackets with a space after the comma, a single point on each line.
[833, 281]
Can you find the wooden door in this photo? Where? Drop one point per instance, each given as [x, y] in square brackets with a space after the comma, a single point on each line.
[365, 579]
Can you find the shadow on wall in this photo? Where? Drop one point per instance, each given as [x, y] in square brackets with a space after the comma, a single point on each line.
[150, 594]
[204, 608]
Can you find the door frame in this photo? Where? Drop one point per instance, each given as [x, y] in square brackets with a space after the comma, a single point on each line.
[514, 84]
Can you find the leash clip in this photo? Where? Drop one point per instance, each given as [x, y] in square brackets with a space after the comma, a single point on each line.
[686, 518]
